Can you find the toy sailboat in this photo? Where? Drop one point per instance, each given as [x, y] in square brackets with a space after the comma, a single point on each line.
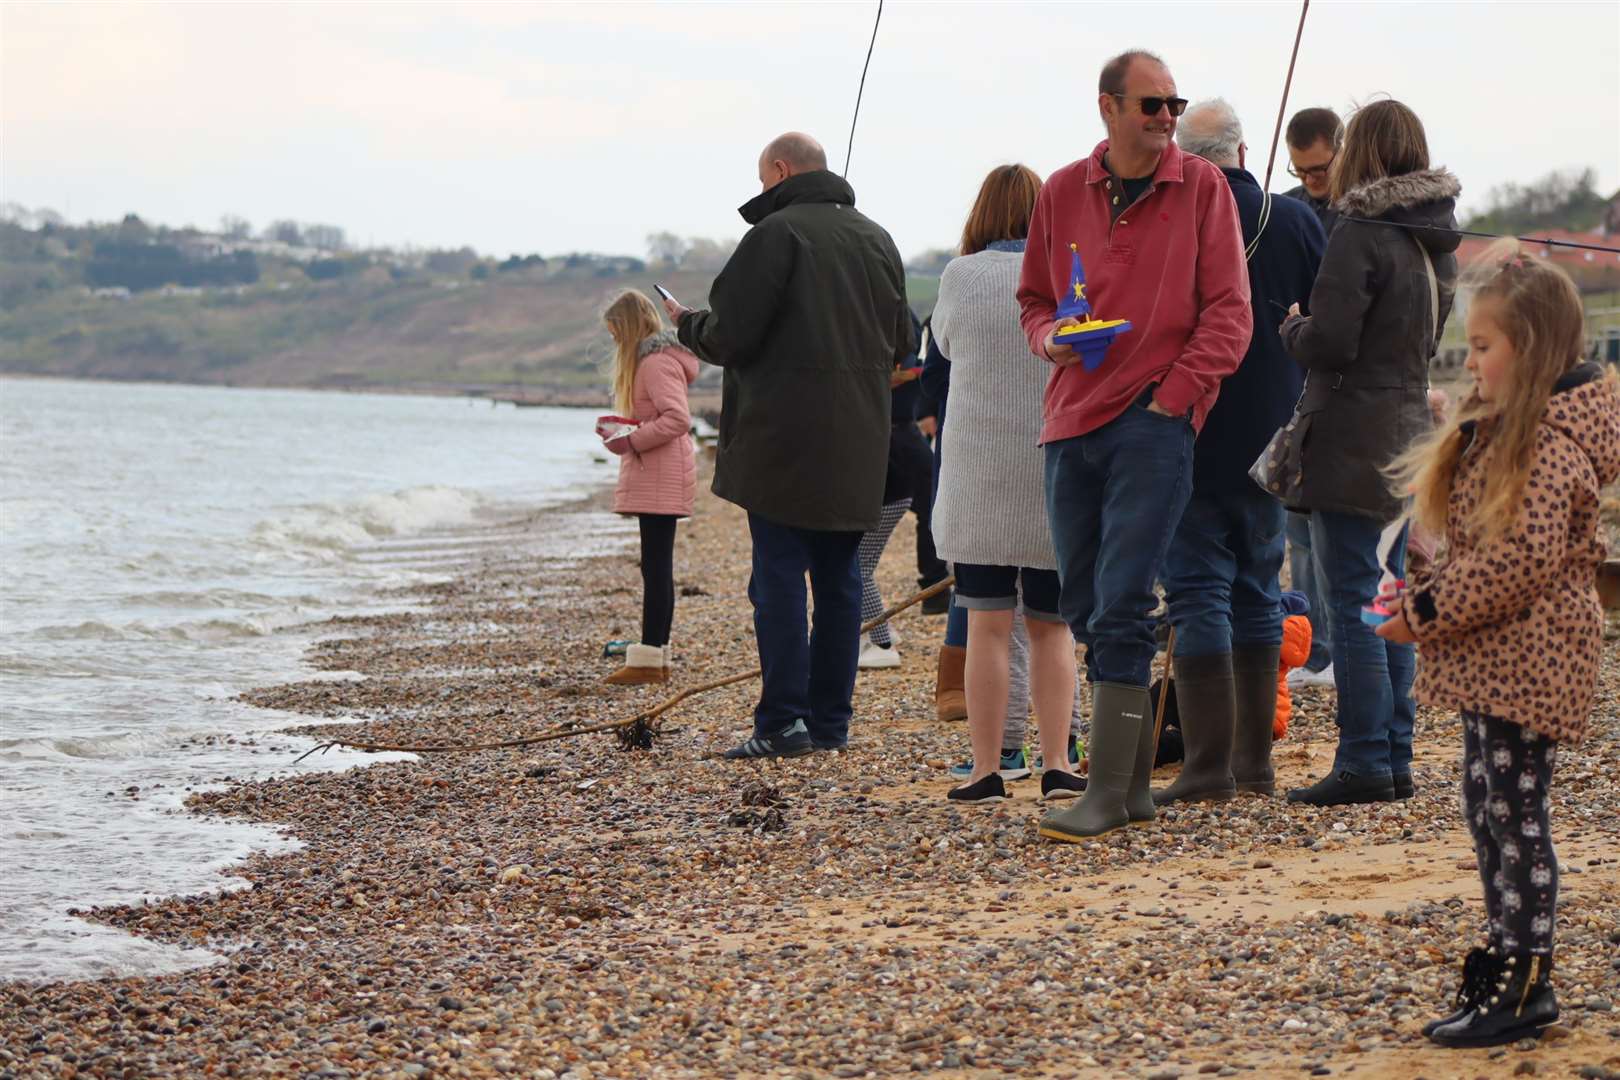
[1093, 336]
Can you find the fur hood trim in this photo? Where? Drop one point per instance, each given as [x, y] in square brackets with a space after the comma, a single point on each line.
[664, 339]
[1399, 192]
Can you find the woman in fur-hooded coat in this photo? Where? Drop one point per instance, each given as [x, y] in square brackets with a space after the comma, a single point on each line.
[1376, 313]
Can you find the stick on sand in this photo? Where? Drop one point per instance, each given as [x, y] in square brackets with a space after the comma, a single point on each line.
[642, 720]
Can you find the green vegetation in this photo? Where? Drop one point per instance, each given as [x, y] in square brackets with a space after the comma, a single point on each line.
[1559, 200]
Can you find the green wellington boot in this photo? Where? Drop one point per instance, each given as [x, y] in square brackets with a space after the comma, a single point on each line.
[1254, 681]
[1204, 696]
[1118, 715]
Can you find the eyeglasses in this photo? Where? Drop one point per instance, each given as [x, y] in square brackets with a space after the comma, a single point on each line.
[1152, 105]
[1315, 172]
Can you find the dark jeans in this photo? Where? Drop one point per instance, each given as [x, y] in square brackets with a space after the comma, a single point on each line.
[1307, 578]
[908, 443]
[1221, 573]
[657, 577]
[1507, 774]
[1373, 677]
[809, 677]
[1113, 498]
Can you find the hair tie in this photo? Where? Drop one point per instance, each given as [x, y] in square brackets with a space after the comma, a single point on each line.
[1515, 263]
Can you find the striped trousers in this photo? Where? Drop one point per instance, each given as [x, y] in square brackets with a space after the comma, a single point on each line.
[871, 550]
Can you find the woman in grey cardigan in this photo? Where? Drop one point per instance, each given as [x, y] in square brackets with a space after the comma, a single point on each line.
[990, 510]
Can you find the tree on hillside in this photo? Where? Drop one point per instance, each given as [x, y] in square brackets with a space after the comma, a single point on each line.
[930, 262]
[325, 237]
[286, 232]
[1566, 199]
[665, 248]
[451, 262]
[233, 227]
[132, 230]
[705, 254]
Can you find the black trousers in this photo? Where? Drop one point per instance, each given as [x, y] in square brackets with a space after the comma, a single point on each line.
[916, 458]
[657, 577]
[1507, 774]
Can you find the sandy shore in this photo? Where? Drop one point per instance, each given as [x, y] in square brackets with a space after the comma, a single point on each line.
[579, 910]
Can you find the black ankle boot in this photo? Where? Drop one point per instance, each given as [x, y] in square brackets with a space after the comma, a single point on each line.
[1345, 787]
[1480, 971]
[1521, 1004]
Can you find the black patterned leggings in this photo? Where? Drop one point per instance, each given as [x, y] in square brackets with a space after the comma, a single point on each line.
[1507, 778]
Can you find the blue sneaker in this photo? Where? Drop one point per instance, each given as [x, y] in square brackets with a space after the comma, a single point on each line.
[1074, 757]
[792, 741]
[1014, 766]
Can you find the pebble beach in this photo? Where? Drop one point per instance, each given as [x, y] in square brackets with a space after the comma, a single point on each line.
[577, 910]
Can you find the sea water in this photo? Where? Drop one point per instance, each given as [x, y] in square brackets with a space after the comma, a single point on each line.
[162, 549]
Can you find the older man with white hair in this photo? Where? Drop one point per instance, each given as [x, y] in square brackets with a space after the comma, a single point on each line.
[1221, 571]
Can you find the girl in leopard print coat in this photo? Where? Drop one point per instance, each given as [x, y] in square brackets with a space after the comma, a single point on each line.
[1507, 620]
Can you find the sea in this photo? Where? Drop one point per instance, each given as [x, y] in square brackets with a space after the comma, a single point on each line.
[164, 548]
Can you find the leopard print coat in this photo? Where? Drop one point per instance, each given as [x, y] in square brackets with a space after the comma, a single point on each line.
[1511, 627]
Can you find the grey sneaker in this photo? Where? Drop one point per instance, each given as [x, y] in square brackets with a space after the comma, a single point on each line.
[793, 741]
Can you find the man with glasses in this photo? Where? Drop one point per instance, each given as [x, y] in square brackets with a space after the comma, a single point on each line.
[1159, 236]
[1314, 137]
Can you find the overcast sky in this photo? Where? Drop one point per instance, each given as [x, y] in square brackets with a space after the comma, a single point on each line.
[554, 127]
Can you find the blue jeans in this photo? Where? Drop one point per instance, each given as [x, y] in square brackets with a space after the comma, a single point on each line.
[1221, 573]
[1113, 498]
[809, 677]
[1307, 578]
[956, 625]
[1373, 677]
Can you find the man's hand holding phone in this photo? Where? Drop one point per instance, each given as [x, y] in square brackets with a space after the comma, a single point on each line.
[672, 307]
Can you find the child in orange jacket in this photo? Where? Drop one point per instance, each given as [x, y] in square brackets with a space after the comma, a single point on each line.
[1296, 649]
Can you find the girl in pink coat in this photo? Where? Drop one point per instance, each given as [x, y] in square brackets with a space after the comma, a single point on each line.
[657, 473]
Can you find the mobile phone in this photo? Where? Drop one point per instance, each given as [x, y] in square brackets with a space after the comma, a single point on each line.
[666, 294]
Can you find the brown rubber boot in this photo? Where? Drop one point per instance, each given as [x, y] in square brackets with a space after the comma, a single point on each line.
[950, 694]
[1254, 675]
[642, 664]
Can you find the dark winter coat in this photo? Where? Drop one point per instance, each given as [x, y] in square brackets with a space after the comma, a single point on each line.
[808, 319]
[1325, 213]
[1259, 397]
[1367, 342]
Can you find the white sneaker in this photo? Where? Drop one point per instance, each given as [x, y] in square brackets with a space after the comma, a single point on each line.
[1304, 677]
[875, 656]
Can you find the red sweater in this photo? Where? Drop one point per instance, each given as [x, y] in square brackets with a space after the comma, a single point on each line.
[1172, 264]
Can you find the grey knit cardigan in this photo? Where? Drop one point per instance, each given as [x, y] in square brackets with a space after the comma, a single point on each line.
[991, 505]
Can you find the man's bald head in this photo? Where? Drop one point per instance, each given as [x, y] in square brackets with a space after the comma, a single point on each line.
[789, 155]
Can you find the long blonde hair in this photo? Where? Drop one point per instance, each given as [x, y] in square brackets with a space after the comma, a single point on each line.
[1539, 311]
[631, 318]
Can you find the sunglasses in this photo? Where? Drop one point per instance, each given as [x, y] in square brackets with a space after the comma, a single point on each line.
[1315, 172]
[1152, 105]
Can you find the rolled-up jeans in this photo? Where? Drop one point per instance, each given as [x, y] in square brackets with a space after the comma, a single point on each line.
[1372, 677]
[1113, 499]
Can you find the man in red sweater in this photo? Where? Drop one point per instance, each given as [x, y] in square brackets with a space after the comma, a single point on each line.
[1158, 233]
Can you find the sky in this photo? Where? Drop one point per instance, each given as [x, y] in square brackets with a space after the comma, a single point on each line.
[557, 127]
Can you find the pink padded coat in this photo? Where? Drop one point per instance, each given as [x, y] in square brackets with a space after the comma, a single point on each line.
[657, 473]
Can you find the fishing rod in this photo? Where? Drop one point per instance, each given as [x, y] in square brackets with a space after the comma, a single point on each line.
[850, 149]
[1282, 106]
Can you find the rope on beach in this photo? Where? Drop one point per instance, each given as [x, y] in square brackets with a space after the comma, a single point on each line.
[636, 732]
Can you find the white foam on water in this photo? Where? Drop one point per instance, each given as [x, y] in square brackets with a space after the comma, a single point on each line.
[163, 549]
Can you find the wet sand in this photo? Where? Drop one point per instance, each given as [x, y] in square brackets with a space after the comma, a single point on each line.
[574, 909]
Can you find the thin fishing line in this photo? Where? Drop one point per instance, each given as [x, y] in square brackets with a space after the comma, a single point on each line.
[850, 149]
[1545, 241]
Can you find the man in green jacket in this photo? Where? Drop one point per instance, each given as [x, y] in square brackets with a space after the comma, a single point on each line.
[808, 319]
